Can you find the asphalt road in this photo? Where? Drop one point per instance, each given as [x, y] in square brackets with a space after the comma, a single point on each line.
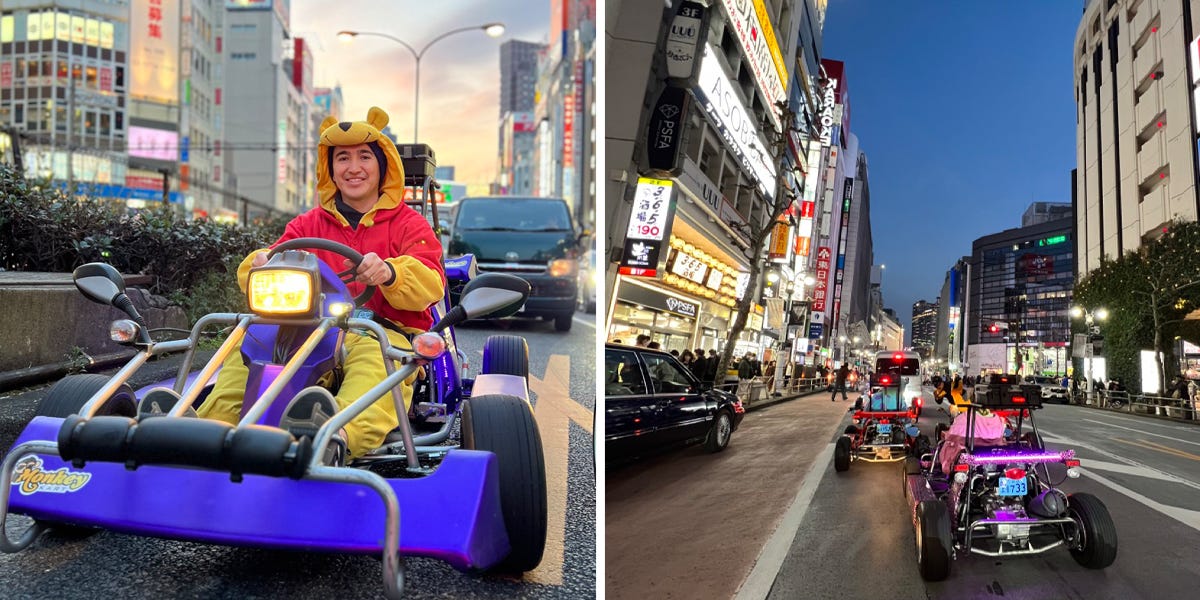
[112, 565]
[855, 540]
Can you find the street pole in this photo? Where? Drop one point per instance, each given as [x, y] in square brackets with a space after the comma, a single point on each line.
[417, 97]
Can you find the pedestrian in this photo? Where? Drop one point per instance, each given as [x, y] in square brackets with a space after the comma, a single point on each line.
[675, 353]
[839, 382]
[643, 340]
[618, 341]
[360, 193]
[769, 373]
[654, 345]
[710, 368]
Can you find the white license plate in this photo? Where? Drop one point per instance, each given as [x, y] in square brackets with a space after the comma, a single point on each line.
[1012, 487]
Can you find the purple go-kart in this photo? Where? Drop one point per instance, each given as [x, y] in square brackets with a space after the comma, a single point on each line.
[89, 460]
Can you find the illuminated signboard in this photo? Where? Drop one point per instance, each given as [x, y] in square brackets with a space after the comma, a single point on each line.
[1050, 241]
[687, 266]
[758, 44]
[739, 130]
[154, 51]
[714, 279]
[153, 143]
[649, 222]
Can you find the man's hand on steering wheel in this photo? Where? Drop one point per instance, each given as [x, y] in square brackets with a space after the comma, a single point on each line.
[372, 270]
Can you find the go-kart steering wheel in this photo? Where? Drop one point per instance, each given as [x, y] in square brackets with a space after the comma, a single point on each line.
[343, 250]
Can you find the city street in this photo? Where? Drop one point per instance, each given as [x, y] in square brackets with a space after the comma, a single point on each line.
[563, 386]
[823, 534]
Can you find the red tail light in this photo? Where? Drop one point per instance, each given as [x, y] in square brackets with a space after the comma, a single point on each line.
[1072, 462]
[898, 357]
[885, 380]
[919, 402]
[1015, 473]
[1018, 399]
[962, 468]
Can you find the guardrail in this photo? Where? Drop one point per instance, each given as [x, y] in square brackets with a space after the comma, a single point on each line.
[1144, 404]
[756, 390]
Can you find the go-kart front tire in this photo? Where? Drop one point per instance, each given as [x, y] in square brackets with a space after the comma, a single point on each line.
[505, 355]
[933, 540]
[67, 396]
[1096, 529]
[841, 455]
[504, 425]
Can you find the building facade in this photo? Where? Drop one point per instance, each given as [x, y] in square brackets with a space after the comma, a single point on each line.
[924, 324]
[1136, 151]
[1040, 212]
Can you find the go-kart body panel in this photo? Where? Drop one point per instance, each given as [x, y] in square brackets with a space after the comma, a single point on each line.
[269, 512]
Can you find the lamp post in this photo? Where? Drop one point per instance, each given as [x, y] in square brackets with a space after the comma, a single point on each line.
[492, 29]
[1090, 317]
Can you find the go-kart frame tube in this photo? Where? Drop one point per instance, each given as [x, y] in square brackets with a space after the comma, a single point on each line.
[232, 340]
[393, 574]
[968, 542]
[93, 404]
[264, 401]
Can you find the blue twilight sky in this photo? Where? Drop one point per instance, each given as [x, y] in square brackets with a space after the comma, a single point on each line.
[966, 112]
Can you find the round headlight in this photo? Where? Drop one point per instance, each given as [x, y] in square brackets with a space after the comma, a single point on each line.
[429, 345]
[123, 331]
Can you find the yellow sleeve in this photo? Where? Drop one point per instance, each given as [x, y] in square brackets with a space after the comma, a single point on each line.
[416, 285]
[243, 273]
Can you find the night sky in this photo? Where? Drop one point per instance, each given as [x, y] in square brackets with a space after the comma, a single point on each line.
[966, 113]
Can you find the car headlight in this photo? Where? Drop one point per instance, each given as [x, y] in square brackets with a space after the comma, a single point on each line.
[563, 267]
[285, 286]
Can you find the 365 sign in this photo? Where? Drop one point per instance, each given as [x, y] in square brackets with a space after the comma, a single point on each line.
[649, 225]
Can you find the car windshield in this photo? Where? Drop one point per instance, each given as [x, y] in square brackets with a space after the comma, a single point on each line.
[513, 214]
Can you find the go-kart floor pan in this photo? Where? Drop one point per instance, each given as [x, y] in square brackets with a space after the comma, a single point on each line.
[452, 514]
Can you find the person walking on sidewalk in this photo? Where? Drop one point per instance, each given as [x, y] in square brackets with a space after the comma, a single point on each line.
[839, 382]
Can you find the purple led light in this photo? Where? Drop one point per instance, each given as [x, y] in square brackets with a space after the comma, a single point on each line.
[1010, 457]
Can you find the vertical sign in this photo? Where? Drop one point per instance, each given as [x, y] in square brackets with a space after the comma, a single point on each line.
[106, 75]
[649, 222]
[684, 40]
[821, 287]
[154, 51]
[847, 196]
[778, 248]
[666, 130]
[281, 148]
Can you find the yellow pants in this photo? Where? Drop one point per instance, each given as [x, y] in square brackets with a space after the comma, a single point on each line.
[363, 369]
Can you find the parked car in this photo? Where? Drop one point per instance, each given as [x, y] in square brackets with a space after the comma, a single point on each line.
[532, 238]
[652, 401]
[1052, 389]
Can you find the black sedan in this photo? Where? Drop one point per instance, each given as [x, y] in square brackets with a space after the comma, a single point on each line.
[652, 401]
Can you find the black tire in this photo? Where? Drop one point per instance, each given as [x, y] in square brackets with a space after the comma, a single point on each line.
[938, 430]
[1098, 534]
[505, 355]
[851, 430]
[504, 425]
[921, 446]
[841, 455]
[591, 307]
[70, 393]
[720, 432]
[912, 466]
[562, 321]
[933, 540]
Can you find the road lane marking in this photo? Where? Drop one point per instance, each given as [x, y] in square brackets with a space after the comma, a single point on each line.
[1145, 432]
[1146, 421]
[1159, 448]
[1052, 437]
[1112, 467]
[554, 412]
[1191, 518]
[591, 323]
[766, 568]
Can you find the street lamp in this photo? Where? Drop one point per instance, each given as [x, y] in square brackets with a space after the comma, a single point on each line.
[1089, 317]
[494, 30]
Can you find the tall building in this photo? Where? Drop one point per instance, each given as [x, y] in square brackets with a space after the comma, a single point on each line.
[1040, 212]
[518, 75]
[1020, 290]
[855, 310]
[1136, 151]
[269, 138]
[202, 113]
[924, 324]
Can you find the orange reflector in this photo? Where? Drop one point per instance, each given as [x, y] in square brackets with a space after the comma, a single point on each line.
[429, 345]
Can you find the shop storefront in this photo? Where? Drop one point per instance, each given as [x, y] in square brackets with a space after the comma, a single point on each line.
[669, 319]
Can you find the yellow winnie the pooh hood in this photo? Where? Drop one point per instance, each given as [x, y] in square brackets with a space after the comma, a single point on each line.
[352, 133]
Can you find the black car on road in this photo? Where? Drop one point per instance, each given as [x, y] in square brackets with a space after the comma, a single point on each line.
[652, 401]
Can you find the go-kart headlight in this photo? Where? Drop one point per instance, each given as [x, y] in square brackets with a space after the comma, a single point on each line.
[286, 285]
[563, 267]
[123, 331]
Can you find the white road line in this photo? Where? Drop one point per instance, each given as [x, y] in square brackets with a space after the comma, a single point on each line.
[1151, 471]
[1191, 518]
[758, 584]
[1112, 467]
[591, 323]
[1145, 432]
[1154, 422]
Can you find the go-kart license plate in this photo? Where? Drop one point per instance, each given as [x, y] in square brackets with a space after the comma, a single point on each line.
[884, 428]
[1012, 487]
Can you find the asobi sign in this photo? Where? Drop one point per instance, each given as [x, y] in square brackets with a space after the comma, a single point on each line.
[821, 287]
[684, 40]
[740, 131]
[649, 221]
[758, 44]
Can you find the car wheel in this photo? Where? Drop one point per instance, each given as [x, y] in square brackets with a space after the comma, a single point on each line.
[719, 433]
[591, 307]
[921, 446]
[1096, 547]
[841, 454]
[504, 425]
[505, 355]
[562, 321]
[70, 393]
[933, 540]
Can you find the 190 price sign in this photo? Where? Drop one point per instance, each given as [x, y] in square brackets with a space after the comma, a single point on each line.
[651, 208]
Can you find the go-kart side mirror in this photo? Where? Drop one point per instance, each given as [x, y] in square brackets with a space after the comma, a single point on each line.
[99, 282]
[488, 296]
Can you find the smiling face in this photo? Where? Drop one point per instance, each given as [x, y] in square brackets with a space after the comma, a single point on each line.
[356, 174]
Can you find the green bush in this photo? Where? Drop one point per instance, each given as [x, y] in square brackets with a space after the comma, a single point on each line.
[192, 262]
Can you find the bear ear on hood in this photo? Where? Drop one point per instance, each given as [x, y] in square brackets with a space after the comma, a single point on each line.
[377, 118]
[329, 121]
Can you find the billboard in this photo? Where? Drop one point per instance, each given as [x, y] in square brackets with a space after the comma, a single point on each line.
[758, 44]
[158, 144]
[739, 130]
[154, 51]
[649, 225]
[821, 288]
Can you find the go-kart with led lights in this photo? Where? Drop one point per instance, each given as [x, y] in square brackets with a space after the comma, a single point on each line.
[996, 494]
[884, 429]
[88, 460]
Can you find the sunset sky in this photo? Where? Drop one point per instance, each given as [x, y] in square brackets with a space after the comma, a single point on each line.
[460, 75]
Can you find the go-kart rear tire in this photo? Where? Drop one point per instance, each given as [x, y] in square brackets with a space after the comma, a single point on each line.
[720, 433]
[70, 393]
[505, 355]
[1097, 530]
[933, 540]
[841, 454]
[504, 425]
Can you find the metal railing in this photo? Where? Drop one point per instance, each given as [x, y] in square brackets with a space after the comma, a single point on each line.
[751, 391]
[1143, 404]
